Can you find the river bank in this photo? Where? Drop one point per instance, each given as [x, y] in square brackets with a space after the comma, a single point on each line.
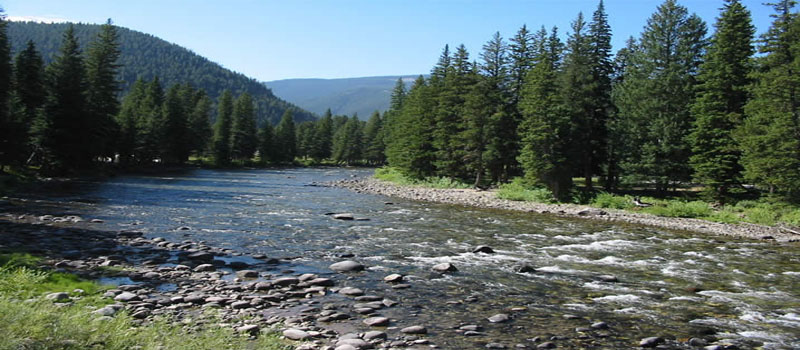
[488, 199]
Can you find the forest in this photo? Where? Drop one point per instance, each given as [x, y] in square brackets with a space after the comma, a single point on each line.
[674, 108]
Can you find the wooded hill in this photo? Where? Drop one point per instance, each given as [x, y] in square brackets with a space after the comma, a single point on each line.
[146, 56]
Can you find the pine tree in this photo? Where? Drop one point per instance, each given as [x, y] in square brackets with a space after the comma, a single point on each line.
[521, 55]
[200, 123]
[175, 144]
[411, 151]
[101, 97]
[266, 144]
[617, 126]
[29, 81]
[659, 87]
[152, 123]
[545, 129]
[769, 135]
[450, 99]
[719, 107]
[478, 111]
[323, 137]
[305, 138]
[12, 125]
[244, 138]
[373, 140]
[348, 142]
[129, 121]
[285, 142]
[503, 144]
[222, 129]
[63, 130]
[602, 109]
[577, 94]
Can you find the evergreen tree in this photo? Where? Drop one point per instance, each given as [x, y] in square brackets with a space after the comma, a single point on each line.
[478, 111]
[222, 129]
[323, 137]
[285, 142]
[373, 140]
[602, 108]
[545, 129]
[769, 135]
[719, 107]
[101, 97]
[398, 95]
[64, 129]
[244, 138]
[266, 144]
[12, 125]
[411, 150]
[347, 143]
[305, 139]
[521, 55]
[502, 144]
[29, 81]
[130, 124]
[175, 146]
[152, 123]
[659, 87]
[616, 125]
[200, 123]
[448, 111]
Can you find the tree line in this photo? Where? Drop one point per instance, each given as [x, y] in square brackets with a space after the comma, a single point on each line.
[671, 107]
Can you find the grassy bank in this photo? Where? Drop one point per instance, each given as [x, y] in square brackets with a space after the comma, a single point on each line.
[761, 212]
[30, 321]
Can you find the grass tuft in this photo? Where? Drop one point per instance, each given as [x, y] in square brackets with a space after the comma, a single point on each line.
[394, 176]
[517, 191]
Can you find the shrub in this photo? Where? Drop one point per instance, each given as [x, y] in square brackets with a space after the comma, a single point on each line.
[761, 216]
[791, 217]
[516, 191]
[694, 209]
[608, 200]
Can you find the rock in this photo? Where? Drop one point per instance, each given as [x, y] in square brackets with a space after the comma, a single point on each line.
[374, 335]
[345, 347]
[600, 325]
[130, 234]
[321, 282]
[286, 281]
[183, 228]
[377, 321]
[444, 267]
[499, 318]
[346, 266]
[470, 327]
[200, 256]
[238, 265]
[414, 330]
[393, 278]
[343, 216]
[592, 212]
[263, 286]
[296, 334]
[204, 268]
[141, 314]
[240, 305]
[495, 346]
[251, 329]
[483, 249]
[356, 343]
[351, 291]
[248, 274]
[546, 345]
[126, 297]
[525, 269]
[97, 221]
[105, 311]
[698, 342]
[388, 302]
[57, 297]
[608, 278]
[714, 347]
[650, 342]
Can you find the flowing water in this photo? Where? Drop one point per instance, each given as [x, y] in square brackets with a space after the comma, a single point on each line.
[671, 284]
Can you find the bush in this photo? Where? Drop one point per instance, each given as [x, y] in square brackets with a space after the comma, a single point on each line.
[791, 217]
[395, 176]
[761, 216]
[516, 191]
[694, 209]
[608, 200]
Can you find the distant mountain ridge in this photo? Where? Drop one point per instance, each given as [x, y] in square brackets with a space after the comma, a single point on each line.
[146, 56]
[344, 96]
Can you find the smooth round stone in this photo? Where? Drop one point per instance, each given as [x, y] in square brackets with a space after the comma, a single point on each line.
[414, 330]
[393, 278]
[483, 249]
[354, 342]
[374, 335]
[204, 268]
[600, 325]
[546, 345]
[499, 318]
[286, 281]
[650, 342]
[249, 329]
[350, 291]
[495, 346]
[56, 297]
[126, 297]
[444, 267]
[608, 278]
[247, 273]
[346, 266]
[377, 321]
[296, 334]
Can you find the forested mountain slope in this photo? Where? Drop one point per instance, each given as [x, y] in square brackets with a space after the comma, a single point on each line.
[146, 56]
[343, 96]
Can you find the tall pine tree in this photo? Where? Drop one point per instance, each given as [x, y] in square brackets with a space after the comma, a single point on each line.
[285, 139]
[719, 108]
[244, 133]
[101, 96]
[12, 125]
[222, 129]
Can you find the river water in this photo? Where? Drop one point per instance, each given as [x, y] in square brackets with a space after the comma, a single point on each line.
[671, 284]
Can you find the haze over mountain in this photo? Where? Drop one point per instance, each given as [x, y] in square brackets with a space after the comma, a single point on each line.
[146, 56]
[344, 96]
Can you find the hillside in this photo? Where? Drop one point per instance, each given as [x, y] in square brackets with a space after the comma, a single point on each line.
[342, 96]
[146, 56]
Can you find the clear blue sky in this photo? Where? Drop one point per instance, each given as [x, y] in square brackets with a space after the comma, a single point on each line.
[271, 40]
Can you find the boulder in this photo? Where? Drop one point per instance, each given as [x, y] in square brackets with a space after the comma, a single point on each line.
[414, 330]
[57, 297]
[444, 268]
[346, 266]
[499, 318]
[483, 249]
[393, 278]
[126, 297]
[251, 329]
[650, 342]
[296, 334]
[377, 321]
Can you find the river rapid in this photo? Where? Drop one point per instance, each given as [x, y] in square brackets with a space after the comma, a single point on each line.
[671, 284]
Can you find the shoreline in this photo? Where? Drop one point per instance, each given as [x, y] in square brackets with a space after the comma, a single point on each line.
[489, 200]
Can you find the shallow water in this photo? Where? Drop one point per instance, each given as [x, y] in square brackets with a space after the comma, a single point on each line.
[671, 284]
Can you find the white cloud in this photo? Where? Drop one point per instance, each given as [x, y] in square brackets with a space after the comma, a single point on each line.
[40, 19]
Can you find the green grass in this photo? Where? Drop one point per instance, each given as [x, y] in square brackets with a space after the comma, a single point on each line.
[517, 191]
[681, 209]
[28, 321]
[394, 176]
[608, 200]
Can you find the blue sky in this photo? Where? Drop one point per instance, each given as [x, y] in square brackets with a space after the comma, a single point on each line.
[271, 40]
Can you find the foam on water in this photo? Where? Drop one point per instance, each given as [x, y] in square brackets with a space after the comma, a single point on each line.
[620, 299]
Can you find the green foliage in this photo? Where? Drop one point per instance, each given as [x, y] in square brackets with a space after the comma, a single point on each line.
[285, 139]
[244, 138]
[680, 209]
[518, 191]
[101, 96]
[395, 176]
[411, 145]
[611, 201]
[348, 142]
[374, 144]
[222, 130]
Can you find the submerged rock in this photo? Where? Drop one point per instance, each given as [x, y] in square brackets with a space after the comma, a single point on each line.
[483, 249]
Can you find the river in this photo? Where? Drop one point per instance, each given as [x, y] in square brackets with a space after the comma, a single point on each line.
[671, 284]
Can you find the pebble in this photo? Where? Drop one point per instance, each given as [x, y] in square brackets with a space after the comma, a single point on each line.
[499, 318]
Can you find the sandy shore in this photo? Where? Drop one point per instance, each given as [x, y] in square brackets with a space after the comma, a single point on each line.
[488, 199]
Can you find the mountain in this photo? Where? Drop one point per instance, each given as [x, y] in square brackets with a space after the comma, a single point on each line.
[343, 96]
[146, 56]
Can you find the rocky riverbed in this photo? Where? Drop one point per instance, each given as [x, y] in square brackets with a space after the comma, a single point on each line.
[488, 199]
